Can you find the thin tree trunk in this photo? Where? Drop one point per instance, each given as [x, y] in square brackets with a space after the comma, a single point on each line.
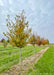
[20, 56]
[20, 62]
[34, 49]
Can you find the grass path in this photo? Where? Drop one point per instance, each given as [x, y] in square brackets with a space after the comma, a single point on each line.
[26, 64]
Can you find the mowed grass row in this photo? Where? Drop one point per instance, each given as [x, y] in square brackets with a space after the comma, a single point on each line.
[10, 55]
[45, 66]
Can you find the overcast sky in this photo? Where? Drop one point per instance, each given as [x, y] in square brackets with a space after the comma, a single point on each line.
[40, 14]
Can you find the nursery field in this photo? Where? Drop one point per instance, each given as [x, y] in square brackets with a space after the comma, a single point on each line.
[45, 65]
[10, 55]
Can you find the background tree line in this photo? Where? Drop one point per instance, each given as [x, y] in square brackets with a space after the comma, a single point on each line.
[32, 40]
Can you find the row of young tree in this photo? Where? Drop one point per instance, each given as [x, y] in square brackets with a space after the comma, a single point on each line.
[38, 40]
[19, 33]
[34, 40]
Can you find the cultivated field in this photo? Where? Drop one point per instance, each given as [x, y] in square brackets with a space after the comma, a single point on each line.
[10, 55]
[45, 65]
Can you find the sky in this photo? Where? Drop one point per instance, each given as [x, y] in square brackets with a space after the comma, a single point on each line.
[40, 14]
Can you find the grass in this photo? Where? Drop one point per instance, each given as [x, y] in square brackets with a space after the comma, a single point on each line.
[45, 65]
[10, 55]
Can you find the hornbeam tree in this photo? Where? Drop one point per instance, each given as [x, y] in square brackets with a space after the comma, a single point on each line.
[18, 31]
[32, 40]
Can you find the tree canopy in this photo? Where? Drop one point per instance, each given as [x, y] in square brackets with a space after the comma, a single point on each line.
[32, 39]
[18, 30]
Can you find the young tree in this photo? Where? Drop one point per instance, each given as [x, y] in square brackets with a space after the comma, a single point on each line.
[44, 41]
[5, 43]
[32, 40]
[38, 41]
[2, 40]
[18, 31]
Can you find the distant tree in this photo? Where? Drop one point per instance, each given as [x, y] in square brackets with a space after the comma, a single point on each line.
[19, 31]
[32, 40]
[38, 41]
[44, 41]
[2, 40]
[47, 41]
[41, 41]
[5, 43]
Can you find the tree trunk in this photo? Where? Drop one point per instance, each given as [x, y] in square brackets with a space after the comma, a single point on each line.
[20, 62]
[34, 49]
[20, 57]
